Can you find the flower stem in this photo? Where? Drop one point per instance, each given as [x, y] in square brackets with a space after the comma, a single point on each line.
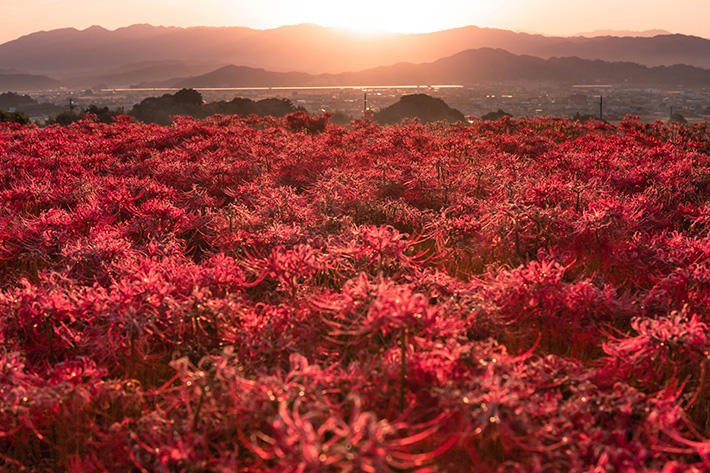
[402, 368]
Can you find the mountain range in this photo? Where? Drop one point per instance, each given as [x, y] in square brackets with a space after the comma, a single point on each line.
[465, 68]
[644, 34]
[145, 54]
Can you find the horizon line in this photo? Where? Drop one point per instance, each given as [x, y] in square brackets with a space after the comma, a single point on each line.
[379, 32]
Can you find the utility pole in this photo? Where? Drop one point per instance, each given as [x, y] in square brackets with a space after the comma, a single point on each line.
[601, 108]
[71, 108]
[364, 107]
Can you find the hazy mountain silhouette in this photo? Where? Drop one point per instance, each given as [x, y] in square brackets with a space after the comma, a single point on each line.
[136, 73]
[663, 50]
[466, 68]
[497, 65]
[96, 52]
[242, 76]
[621, 33]
[11, 100]
[27, 82]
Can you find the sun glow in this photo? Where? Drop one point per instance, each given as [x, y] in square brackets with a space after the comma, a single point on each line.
[377, 16]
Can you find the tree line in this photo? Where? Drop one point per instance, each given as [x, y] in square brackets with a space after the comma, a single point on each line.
[160, 110]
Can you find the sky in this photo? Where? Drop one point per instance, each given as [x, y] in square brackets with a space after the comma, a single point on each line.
[550, 17]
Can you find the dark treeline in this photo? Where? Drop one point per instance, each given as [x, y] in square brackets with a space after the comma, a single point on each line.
[14, 117]
[189, 102]
[160, 110]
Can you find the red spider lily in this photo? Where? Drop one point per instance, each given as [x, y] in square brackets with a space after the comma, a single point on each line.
[302, 122]
[665, 350]
[311, 442]
[536, 299]
[270, 294]
[367, 308]
[292, 266]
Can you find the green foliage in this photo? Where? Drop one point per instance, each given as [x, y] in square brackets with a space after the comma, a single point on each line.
[100, 114]
[421, 106]
[497, 115]
[340, 118]
[160, 109]
[246, 107]
[14, 117]
[189, 102]
[14, 100]
[677, 118]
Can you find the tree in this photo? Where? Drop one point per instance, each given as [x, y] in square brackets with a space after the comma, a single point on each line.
[10, 100]
[188, 97]
[245, 107]
[101, 114]
[494, 116]
[159, 109]
[14, 117]
[677, 118]
[424, 107]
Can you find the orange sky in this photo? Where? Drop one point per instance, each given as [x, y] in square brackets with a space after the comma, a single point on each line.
[552, 17]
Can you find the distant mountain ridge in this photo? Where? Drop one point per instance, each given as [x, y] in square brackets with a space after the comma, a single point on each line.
[622, 33]
[136, 73]
[243, 76]
[83, 57]
[27, 82]
[465, 68]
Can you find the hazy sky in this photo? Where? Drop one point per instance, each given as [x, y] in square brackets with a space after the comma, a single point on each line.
[552, 17]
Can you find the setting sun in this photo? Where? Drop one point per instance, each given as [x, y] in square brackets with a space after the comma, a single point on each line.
[549, 17]
[375, 16]
[368, 16]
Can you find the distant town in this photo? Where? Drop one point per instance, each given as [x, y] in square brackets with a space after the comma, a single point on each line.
[478, 72]
[606, 102]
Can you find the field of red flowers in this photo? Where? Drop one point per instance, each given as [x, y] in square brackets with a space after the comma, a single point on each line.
[288, 295]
